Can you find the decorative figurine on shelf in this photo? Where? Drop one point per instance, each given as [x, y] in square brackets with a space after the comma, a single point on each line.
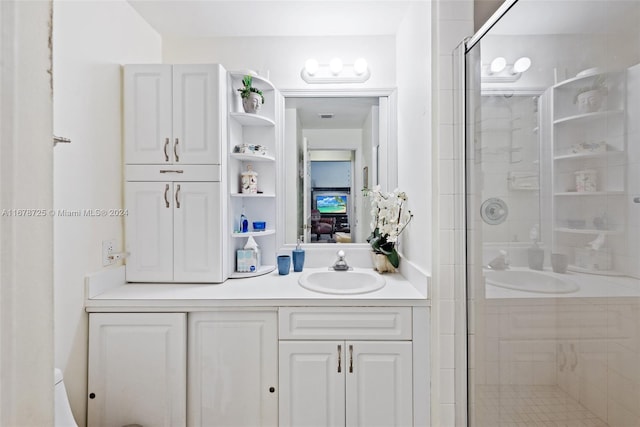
[252, 98]
[249, 181]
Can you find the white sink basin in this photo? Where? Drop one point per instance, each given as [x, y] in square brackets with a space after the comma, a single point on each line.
[530, 281]
[342, 282]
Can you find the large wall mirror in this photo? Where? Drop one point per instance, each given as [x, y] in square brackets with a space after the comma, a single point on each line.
[335, 147]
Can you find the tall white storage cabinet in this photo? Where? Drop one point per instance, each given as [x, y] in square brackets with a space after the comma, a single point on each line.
[174, 114]
[233, 369]
[264, 129]
[175, 129]
[137, 369]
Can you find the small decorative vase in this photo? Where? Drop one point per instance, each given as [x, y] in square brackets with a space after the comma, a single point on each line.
[252, 103]
[381, 263]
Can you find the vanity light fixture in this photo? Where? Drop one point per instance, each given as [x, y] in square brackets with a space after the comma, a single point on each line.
[499, 71]
[497, 65]
[521, 65]
[335, 71]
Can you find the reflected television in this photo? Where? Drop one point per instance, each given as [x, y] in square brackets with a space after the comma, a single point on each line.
[331, 203]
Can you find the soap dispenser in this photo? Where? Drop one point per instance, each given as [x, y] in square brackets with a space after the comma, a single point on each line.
[244, 223]
[298, 257]
[535, 253]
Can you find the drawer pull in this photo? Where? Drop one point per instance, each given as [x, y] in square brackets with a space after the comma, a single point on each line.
[350, 359]
[339, 358]
[171, 171]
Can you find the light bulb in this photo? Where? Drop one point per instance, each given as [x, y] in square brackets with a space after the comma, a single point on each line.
[498, 64]
[360, 66]
[522, 65]
[311, 66]
[335, 65]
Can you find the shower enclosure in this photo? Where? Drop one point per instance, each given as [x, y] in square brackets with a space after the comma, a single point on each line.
[552, 140]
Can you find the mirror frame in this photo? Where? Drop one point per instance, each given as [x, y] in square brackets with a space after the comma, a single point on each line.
[388, 146]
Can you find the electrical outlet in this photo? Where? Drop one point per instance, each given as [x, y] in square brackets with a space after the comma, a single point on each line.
[108, 248]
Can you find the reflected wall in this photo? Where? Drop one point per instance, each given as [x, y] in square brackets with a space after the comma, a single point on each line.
[555, 342]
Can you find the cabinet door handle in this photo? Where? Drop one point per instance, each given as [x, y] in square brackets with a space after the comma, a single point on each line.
[175, 150]
[177, 197]
[350, 358]
[166, 153]
[166, 193]
[339, 358]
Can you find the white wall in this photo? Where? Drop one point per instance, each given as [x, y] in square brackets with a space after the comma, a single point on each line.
[26, 300]
[413, 47]
[282, 58]
[88, 52]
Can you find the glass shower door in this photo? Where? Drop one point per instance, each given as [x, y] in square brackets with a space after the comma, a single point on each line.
[553, 216]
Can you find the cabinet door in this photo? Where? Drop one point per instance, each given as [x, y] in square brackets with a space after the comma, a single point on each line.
[147, 114]
[197, 232]
[149, 231]
[312, 383]
[233, 369]
[379, 385]
[137, 369]
[197, 132]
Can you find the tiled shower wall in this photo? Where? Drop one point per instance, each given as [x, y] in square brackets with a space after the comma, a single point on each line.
[453, 22]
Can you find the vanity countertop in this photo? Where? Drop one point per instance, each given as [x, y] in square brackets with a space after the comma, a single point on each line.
[107, 291]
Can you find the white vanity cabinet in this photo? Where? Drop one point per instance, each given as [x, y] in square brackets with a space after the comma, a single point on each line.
[352, 383]
[174, 229]
[346, 366]
[233, 368]
[137, 369]
[174, 114]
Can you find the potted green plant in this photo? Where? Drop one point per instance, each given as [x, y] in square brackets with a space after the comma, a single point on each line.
[589, 98]
[252, 98]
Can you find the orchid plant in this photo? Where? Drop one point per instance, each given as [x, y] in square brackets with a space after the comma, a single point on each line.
[389, 218]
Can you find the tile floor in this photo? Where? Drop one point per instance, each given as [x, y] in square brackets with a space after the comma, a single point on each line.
[530, 406]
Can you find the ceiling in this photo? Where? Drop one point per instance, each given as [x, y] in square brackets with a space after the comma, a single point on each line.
[348, 113]
[267, 18]
[548, 17]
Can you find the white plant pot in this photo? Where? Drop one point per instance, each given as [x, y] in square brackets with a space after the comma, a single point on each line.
[252, 103]
[590, 101]
[381, 263]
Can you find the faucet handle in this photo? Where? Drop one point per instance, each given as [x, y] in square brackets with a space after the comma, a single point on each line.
[340, 254]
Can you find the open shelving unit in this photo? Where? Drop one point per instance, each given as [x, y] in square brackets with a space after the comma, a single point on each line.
[262, 129]
[588, 141]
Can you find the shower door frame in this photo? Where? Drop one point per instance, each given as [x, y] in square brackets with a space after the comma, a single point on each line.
[461, 131]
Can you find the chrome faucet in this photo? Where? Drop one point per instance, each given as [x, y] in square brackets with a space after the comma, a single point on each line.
[500, 262]
[341, 263]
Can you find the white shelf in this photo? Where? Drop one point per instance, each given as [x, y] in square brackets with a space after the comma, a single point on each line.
[586, 231]
[237, 235]
[253, 157]
[579, 79]
[249, 119]
[265, 269]
[253, 195]
[588, 155]
[588, 116]
[590, 193]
